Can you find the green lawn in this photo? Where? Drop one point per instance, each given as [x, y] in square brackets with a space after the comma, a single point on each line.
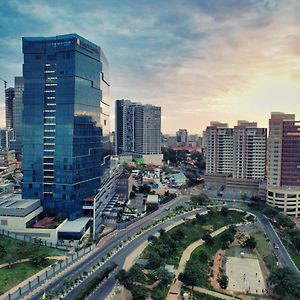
[265, 249]
[262, 245]
[10, 277]
[16, 249]
[295, 257]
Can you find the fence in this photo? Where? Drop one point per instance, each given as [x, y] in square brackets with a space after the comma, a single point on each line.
[46, 275]
[30, 239]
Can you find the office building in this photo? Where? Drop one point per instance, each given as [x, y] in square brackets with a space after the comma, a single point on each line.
[138, 130]
[284, 163]
[182, 137]
[66, 129]
[9, 100]
[18, 107]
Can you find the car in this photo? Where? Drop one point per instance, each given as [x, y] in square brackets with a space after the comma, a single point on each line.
[167, 208]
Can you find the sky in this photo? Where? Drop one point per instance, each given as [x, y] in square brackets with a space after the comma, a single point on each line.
[200, 60]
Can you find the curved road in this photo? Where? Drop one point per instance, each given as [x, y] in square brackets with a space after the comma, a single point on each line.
[118, 236]
[105, 288]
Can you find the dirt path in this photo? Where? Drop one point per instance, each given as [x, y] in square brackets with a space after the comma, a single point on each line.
[218, 257]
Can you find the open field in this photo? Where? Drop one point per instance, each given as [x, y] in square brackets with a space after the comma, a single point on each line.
[10, 277]
[16, 249]
[245, 275]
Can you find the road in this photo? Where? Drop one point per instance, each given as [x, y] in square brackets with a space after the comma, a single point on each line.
[281, 253]
[119, 257]
[119, 235]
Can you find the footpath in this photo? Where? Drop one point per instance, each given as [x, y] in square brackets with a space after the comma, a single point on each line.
[175, 288]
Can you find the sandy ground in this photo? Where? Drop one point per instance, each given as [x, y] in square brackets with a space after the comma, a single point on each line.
[245, 275]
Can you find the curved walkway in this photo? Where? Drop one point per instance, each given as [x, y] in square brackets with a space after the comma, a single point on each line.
[175, 288]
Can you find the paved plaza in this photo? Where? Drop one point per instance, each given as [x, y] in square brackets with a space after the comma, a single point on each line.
[245, 275]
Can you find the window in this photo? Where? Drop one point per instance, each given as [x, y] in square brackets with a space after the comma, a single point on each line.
[4, 222]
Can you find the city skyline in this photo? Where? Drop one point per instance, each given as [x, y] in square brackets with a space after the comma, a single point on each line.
[198, 60]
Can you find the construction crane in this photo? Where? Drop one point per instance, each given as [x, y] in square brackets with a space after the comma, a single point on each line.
[5, 83]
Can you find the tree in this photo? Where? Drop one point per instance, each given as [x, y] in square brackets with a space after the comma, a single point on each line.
[22, 250]
[134, 188]
[136, 274]
[2, 251]
[163, 275]
[202, 255]
[132, 195]
[139, 292]
[224, 211]
[161, 231]
[154, 260]
[191, 275]
[38, 259]
[223, 281]
[208, 239]
[286, 283]
[145, 189]
[124, 279]
[285, 221]
[250, 243]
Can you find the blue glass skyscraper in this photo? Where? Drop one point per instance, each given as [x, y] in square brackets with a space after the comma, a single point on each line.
[65, 121]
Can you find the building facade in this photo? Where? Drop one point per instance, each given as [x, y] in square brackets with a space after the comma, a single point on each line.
[18, 108]
[9, 100]
[284, 163]
[219, 149]
[138, 128]
[6, 136]
[249, 151]
[182, 137]
[238, 152]
[65, 121]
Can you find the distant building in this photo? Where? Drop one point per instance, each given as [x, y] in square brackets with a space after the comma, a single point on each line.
[178, 179]
[6, 136]
[9, 100]
[219, 149]
[7, 161]
[239, 152]
[18, 108]
[284, 163]
[194, 140]
[249, 151]
[138, 130]
[66, 112]
[182, 137]
[124, 186]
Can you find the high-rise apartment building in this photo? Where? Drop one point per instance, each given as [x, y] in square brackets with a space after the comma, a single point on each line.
[138, 129]
[284, 163]
[219, 148]
[182, 137]
[18, 108]
[65, 121]
[249, 151]
[239, 152]
[9, 100]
